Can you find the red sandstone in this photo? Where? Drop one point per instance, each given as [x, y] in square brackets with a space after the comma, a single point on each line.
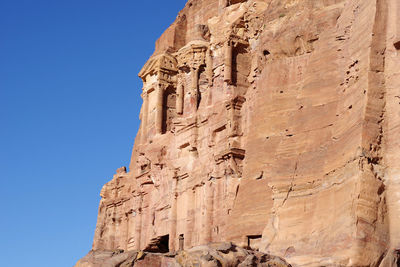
[270, 124]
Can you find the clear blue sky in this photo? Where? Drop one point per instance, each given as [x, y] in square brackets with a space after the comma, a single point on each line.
[69, 107]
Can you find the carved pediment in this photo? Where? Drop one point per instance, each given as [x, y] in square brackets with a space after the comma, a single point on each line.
[163, 65]
[193, 55]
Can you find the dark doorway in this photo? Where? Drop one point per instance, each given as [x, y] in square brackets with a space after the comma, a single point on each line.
[164, 244]
[159, 245]
[253, 241]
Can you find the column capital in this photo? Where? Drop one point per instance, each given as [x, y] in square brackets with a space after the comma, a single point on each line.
[162, 85]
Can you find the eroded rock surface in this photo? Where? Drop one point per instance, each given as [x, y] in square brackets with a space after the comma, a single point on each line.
[213, 255]
[273, 124]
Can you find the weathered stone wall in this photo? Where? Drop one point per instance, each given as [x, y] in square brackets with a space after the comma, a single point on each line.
[272, 124]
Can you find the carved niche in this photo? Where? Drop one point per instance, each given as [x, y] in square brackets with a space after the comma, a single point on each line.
[159, 76]
[192, 60]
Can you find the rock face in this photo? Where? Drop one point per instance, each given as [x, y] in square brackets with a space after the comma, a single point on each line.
[273, 124]
[213, 255]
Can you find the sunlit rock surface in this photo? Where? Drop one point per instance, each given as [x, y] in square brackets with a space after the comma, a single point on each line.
[271, 124]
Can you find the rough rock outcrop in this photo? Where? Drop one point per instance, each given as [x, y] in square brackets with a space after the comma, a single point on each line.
[213, 255]
[273, 124]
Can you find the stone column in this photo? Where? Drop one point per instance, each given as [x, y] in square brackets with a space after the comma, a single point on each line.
[138, 228]
[123, 229]
[216, 205]
[195, 83]
[173, 218]
[145, 113]
[113, 232]
[190, 218]
[126, 218]
[159, 108]
[209, 65]
[207, 225]
[181, 242]
[233, 107]
[179, 98]
[130, 230]
[228, 62]
[194, 89]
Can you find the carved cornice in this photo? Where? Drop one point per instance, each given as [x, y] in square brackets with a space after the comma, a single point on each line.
[230, 152]
[235, 103]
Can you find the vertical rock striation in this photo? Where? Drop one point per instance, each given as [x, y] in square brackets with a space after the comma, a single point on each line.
[270, 124]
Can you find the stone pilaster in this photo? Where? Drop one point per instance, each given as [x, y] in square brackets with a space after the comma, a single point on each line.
[145, 113]
[159, 108]
[228, 62]
[209, 67]
[138, 228]
[173, 218]
[190, 218]
[233, 109]
[179, 98]
[206, 233]
[194, 73]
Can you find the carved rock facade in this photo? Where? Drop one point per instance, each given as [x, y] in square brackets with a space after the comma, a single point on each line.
[270, 124]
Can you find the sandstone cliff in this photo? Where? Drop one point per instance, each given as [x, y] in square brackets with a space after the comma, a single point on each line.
[272, 124]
